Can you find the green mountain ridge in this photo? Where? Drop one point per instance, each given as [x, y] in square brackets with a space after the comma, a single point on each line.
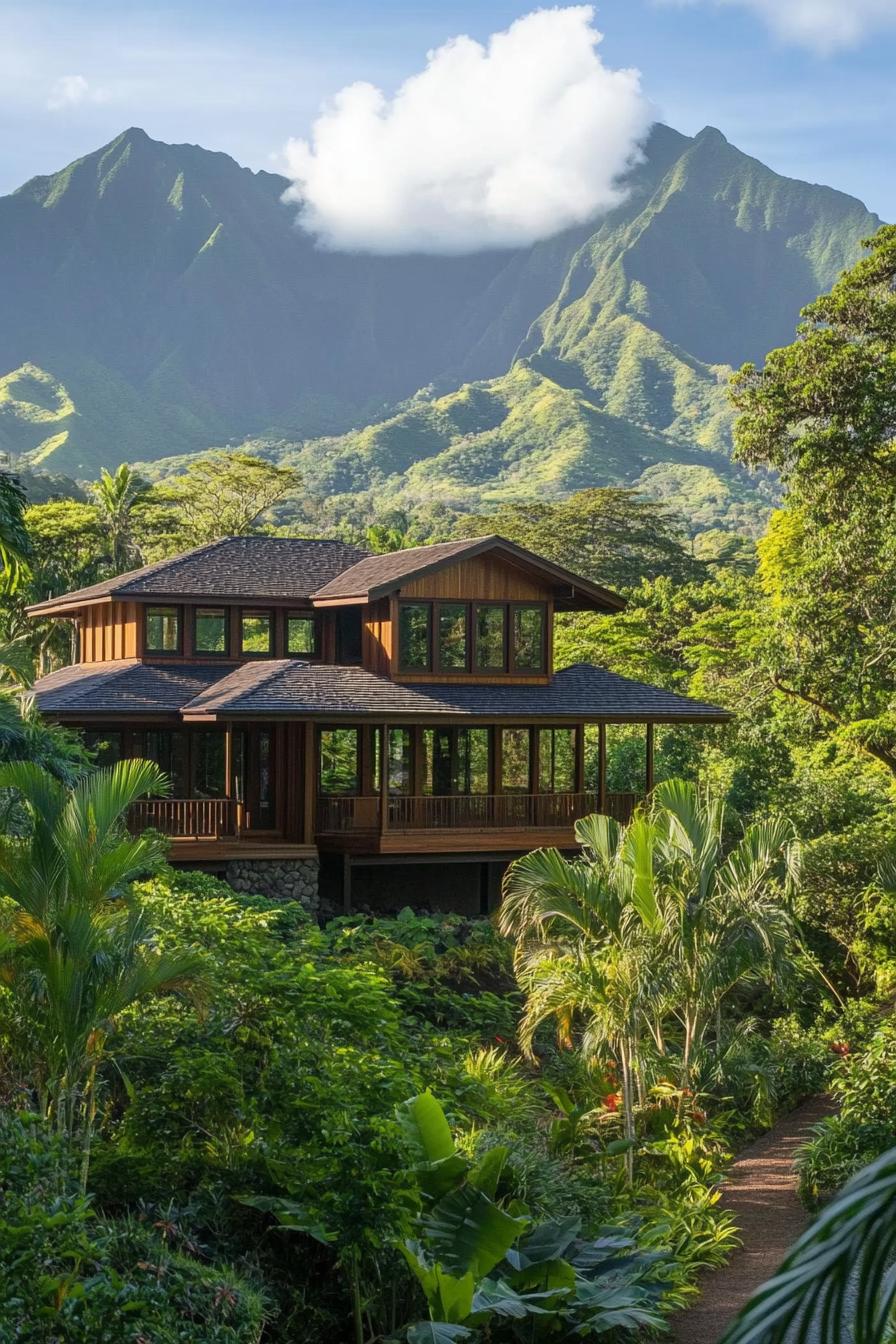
[160, 301]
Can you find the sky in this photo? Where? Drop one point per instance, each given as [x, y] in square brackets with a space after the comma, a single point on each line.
[805, 85]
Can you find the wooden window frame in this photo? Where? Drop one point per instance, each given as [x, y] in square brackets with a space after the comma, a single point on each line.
[256, 653]
[295, 615]
[148, 650]
[209, 653]
[402, 667]
[474, 652]
[359, 730]
[436, 642]
[513, 668]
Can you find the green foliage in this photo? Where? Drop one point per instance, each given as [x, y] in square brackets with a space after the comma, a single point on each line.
[15, 546]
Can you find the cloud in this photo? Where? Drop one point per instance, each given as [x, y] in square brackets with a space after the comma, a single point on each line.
[488, 146]
[72, 90]
[823, 25]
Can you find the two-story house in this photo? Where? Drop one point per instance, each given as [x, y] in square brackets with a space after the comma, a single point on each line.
[396, 717]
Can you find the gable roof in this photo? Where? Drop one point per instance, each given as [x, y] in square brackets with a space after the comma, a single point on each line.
[289, 687]
[377, 575]
[253, 568]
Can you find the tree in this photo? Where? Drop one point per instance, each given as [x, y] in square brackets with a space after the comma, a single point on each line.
[77, 948]
[822, 411]
[649, 931]
[115, 495]
[221, 494]
[611, 535]
[15, 546]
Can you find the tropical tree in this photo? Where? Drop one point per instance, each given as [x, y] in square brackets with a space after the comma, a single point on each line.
[643, 936]
[15, 547]
[115, 495]
[76, 948]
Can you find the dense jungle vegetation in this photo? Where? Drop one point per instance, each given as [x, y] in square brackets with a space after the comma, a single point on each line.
[223, 1123]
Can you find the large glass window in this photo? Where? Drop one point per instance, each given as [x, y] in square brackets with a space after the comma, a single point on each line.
[515, 760]
[107, 745]
[528, 638]
[162, 630]
[399, 760]
[452, 636]
[209, 775]
[338, 757]
[210, 630]
[437, 761]
[256, 629]
[168, 749]
[489, 642]
[301, 636]
[414, 620]
[556, 760]
[471, 761]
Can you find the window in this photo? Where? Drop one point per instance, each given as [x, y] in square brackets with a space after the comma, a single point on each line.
[169, 751]
[338, 760]
[437, 761]
[489, 638]
[528, 638]
[209, 779]
[162, 630]
[414, 619]
[210, 630]
[108, 746]
[399, 760]
[301, 635]
[556, 760]
[255, 633]
[348, 635]
[471, 760]
[515, 760]
[452, 636]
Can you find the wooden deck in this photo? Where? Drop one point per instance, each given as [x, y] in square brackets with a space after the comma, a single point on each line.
[221, 849]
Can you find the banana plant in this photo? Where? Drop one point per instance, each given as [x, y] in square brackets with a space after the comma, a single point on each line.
[484, 1262]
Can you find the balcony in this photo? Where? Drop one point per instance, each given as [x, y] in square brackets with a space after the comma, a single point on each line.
[186, 818]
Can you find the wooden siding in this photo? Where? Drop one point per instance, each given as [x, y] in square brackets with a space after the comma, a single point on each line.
[483, 579]
[377, 636]
[109, 632]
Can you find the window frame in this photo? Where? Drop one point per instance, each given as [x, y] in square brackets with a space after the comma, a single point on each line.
[512, 665]
[493, 668]
[256, 653]
[436, 639]
[148, 649]
[295, 615]
[428, 605]
[357, 729]
[210, 653]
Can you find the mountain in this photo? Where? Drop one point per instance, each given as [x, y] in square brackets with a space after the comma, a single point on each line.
[160, 300]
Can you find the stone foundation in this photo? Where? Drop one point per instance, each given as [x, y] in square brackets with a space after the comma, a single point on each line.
[278, 879]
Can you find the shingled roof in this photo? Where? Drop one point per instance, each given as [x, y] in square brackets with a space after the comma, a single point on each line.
[377, 575]
[250, 568]
[125, 686]
[294, 689]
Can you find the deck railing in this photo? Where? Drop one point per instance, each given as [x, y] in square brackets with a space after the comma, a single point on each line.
[468, 812]
[195, 818]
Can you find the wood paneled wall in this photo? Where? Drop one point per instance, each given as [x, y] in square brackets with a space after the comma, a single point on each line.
[480, 579]
[108, 632]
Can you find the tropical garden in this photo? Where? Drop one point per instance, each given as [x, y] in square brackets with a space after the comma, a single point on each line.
[222, 1122]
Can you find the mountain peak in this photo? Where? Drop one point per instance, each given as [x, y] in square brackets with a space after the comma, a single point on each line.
[710, 135]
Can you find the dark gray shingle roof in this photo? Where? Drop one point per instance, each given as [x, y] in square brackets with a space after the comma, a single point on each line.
[235, 567]
[124, 687]
[297, 689]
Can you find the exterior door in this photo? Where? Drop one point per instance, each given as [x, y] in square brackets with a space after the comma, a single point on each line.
[255, 778]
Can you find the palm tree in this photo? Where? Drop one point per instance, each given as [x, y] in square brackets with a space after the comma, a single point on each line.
[115, 495]
[15, 547]
[649, 929]
[837, 1283]
[77, 948]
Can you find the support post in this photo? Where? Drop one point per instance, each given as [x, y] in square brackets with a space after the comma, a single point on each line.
[602, 767]
[579, 782]
[648, 772]
[309, 785]
[384, 779]
[346, 884]
[484, 885]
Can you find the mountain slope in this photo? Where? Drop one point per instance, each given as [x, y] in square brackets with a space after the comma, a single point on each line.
[159, 300]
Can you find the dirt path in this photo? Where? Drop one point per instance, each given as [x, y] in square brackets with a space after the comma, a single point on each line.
[761, 1194]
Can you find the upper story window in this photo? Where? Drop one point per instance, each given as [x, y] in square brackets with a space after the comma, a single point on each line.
[162, 630]
[210, 630]
[479, 637]
[301, 635]
[256, 634]
[348, 635]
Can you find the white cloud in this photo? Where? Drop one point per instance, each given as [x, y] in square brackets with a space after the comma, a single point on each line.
[488, 146]
[70, 91]
[824, 25]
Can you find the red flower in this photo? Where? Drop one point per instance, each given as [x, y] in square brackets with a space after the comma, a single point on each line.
[612, 1101]
[840, 1048]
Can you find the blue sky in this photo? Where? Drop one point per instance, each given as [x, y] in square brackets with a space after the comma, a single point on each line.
[244, 77]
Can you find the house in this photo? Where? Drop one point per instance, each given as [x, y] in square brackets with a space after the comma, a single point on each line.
[390, 723]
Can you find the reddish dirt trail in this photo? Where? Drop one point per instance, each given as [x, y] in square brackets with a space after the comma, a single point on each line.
[761, 1195]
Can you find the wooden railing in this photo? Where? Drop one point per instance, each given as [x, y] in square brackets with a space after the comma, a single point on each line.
[468, 812]
[200, 818]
